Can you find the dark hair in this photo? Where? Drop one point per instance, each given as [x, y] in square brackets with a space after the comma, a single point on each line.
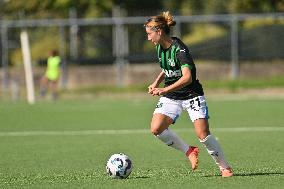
[54, 53]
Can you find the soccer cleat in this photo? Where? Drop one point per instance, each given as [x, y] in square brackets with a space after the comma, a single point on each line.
[192, 154]
[228, 172]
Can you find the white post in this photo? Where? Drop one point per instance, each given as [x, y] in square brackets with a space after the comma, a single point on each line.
[73, 34]
[120, 45]
[28, 67]
[235, 70]
[4, 57]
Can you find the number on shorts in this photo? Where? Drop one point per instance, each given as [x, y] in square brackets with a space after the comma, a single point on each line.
[159, 105]
[195, 104]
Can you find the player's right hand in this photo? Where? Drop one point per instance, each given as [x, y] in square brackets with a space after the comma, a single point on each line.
[151, 89]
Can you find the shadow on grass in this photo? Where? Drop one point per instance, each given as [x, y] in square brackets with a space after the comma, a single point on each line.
[140, 177]
[249, 174]
[258, 174]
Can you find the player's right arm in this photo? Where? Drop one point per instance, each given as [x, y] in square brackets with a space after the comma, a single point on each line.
[156, 83]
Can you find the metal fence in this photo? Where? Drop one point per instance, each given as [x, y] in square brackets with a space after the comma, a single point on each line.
[122, 40]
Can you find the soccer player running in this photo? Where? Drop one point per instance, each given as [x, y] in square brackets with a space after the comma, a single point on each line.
[182, 91]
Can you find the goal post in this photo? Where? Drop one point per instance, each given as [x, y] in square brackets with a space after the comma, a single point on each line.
[28, 67]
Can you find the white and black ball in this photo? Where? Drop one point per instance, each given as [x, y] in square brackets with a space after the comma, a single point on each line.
[119, 166]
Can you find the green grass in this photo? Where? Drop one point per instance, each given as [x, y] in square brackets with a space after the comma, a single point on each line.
[62, 160]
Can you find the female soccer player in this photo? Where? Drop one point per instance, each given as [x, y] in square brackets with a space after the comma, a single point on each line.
[182, 91]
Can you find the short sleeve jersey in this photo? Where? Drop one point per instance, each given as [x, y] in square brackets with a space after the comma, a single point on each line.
[53, 68]
[172, 61]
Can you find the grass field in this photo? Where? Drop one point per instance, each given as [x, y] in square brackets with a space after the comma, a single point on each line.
[66, 144]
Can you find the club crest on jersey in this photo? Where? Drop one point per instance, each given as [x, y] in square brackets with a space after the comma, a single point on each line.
[171, 62]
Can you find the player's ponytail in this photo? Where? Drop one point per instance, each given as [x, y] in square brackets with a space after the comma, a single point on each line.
[169, 19]
[163, 21]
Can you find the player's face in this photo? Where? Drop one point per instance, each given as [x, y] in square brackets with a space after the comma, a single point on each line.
[152, 35]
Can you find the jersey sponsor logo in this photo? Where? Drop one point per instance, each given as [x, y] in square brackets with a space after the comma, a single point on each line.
[171, 73]
[171, 62]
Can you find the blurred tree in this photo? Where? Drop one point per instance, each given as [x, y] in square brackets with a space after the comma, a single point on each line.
[13, 9]
[140, 8]
[191, 7]
[55, 8]
[255, 6]
[216, 7]
[99, 37]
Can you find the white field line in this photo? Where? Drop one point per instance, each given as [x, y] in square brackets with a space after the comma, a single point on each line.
[131, 131]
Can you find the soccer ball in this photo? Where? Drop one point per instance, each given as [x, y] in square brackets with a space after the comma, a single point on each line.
[119, 166]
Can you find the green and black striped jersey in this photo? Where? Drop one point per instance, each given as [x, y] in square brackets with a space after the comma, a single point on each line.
[172, 60]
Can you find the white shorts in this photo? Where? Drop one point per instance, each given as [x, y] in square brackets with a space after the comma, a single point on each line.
[196, 108]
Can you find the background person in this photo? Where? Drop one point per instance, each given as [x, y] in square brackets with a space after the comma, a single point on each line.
[182, 91]
[51, 76]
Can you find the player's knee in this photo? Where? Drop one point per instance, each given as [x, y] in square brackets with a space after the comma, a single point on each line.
[154, 131]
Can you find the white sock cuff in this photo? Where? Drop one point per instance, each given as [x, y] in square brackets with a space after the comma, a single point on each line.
[163, 134]
[205, 139]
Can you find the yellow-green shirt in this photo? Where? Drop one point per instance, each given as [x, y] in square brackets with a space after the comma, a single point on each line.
[53, 68]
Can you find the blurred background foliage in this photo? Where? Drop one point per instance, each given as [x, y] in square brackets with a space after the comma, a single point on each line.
[197, 35]
[15, 9]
